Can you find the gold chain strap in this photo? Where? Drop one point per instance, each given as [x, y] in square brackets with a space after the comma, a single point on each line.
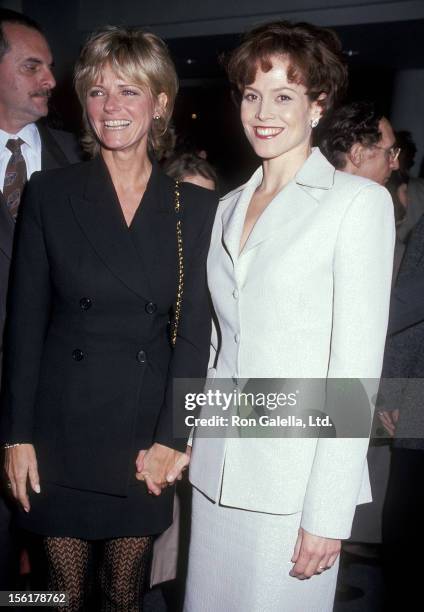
[180, 288]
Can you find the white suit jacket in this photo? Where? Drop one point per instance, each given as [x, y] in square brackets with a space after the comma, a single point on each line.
[308, 297]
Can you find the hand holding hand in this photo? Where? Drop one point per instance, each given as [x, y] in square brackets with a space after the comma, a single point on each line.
[160, 466]
[176, 473]
[21, 465]
[313, 554]
[389, 418]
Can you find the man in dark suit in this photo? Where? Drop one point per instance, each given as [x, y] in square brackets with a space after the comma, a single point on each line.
[358, 139]
[26, 145]
[402, 414]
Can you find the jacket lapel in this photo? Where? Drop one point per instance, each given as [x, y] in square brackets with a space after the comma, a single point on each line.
[52, 155]
[291, 203]
[298, 198]
[100, 217]
[234, 215]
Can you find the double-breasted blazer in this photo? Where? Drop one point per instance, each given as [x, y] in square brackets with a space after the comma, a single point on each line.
[308, 297]
[88, 360]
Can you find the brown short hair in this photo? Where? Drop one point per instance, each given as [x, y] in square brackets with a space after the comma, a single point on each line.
[140, 56]
[189, 164]
[315, 56]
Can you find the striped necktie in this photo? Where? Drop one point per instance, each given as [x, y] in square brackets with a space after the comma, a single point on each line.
[15, 176]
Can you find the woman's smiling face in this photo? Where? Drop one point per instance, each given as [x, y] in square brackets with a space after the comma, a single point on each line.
[120, 113]
[276, 113]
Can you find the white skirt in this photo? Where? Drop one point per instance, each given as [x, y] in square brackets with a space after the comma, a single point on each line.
[240, 562]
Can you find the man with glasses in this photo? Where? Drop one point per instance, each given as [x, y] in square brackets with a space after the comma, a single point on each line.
[359, 140]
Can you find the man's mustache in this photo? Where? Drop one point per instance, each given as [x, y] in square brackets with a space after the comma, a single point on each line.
[41, 93]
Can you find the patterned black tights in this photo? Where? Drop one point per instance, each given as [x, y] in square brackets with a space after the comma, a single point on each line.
[123, 572]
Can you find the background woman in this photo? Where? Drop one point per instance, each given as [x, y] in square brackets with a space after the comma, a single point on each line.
[191, 168]
[89, 365]
[299, 271]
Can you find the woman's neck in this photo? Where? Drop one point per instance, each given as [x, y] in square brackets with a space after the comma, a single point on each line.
[279, 171]
[129, 168]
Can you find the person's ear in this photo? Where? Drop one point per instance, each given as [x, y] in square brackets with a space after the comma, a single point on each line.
[321, 104]
[161, 104]
[318, 108]
[356, 154]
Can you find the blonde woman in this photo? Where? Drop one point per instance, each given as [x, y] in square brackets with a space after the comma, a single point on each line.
[108, 253]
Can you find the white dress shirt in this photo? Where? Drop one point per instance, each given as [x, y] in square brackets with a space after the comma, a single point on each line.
[31, 150]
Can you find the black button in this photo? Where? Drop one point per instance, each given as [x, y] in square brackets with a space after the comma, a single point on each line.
[85, 303]
[141, 357]
[78, 355]
[150, 307]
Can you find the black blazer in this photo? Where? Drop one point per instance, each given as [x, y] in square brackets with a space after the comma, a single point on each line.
[58, 149]
[88, 361]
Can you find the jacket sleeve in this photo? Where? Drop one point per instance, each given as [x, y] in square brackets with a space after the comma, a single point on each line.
[190, 355]
[28, 311]
[362, 270]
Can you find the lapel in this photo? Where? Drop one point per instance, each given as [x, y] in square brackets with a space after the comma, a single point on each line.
[52, 155]
[100, 217]
[300, 196]
[235, 213]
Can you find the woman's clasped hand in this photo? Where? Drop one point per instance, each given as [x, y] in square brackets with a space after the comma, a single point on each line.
[161, 466]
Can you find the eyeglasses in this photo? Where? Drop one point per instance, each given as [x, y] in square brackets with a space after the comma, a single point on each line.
[391, 152]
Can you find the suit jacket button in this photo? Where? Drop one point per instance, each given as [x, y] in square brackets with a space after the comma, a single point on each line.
[85, 303]
[150, 308]
[141, 357]
[78, 355]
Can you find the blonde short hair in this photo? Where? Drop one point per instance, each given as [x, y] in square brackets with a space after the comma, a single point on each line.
[143, 59]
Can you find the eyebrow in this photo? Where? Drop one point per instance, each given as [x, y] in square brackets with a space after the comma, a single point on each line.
[123, 85]
[36, 60]
[274, 90]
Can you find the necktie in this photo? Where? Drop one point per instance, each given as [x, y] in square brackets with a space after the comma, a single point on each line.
[15, 176]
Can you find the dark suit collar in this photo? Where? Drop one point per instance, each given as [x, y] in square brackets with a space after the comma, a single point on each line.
[52, 155]
[100, 216]
[156, 196]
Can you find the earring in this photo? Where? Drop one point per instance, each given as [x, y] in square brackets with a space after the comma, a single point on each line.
[156, 117]
[314, 122]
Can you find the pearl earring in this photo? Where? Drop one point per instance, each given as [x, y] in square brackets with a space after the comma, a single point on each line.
[314, 122]
[156, 117]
